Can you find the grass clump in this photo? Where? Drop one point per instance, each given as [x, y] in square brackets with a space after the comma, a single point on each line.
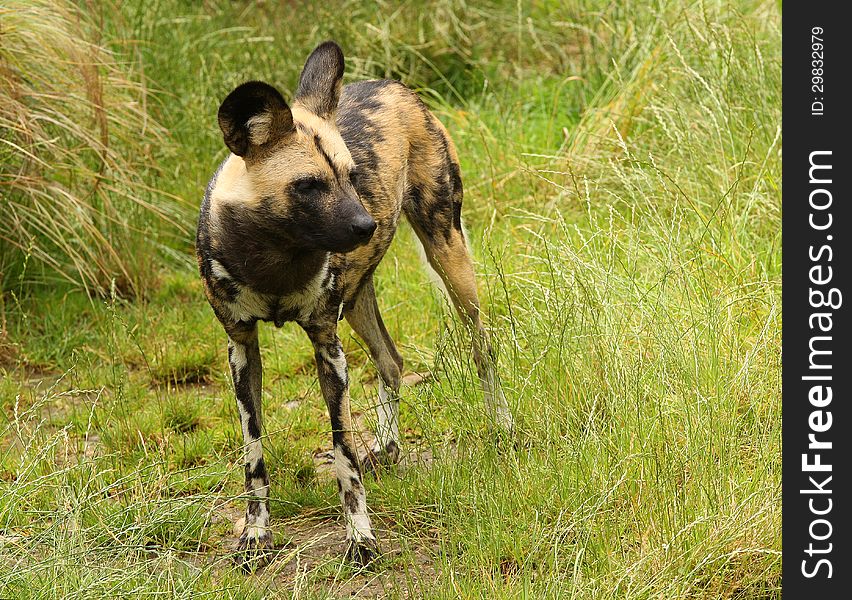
[179, 367]
[77, 147]
[182, 417]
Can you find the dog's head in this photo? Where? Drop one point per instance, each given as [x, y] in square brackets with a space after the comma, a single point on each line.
[299, 171]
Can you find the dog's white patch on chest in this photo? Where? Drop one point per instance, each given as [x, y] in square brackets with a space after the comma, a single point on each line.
[307, 298]
[249, 305]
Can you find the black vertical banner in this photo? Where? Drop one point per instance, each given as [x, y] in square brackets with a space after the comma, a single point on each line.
[817, 358]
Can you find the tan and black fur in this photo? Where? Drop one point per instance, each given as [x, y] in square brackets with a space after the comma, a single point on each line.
[292, 226]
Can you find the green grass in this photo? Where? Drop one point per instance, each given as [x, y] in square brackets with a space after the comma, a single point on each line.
[622, 171]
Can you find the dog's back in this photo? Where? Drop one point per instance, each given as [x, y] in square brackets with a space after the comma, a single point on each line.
[406, 163]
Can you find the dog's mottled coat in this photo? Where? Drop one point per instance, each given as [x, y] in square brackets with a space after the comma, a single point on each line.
[292, 226]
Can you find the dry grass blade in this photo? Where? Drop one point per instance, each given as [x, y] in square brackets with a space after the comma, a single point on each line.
[76, 146]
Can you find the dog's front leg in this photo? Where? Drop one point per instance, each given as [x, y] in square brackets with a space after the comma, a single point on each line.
[246, 368]
[334, 381]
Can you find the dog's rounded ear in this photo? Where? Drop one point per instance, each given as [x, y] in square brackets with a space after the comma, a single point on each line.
[253, 115]
[320, 81]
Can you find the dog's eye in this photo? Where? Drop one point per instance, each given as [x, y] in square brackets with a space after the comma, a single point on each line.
[309, 185]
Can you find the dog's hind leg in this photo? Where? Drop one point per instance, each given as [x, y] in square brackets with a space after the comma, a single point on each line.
[365, 319]
[450, 258]
[432, 204]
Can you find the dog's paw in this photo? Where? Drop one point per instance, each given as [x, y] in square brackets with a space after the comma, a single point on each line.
[252, 551]
[362, 553]
[379, 458]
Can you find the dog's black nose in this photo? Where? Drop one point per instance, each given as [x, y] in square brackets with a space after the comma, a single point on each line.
[362, 227]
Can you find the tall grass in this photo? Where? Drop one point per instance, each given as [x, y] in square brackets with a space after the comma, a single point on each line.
[77, 149]
[622, 171]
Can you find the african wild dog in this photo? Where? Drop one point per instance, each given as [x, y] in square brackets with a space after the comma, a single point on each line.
[292, 226]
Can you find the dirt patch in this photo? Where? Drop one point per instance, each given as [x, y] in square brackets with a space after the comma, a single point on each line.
[313, 560]
[309, 557]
